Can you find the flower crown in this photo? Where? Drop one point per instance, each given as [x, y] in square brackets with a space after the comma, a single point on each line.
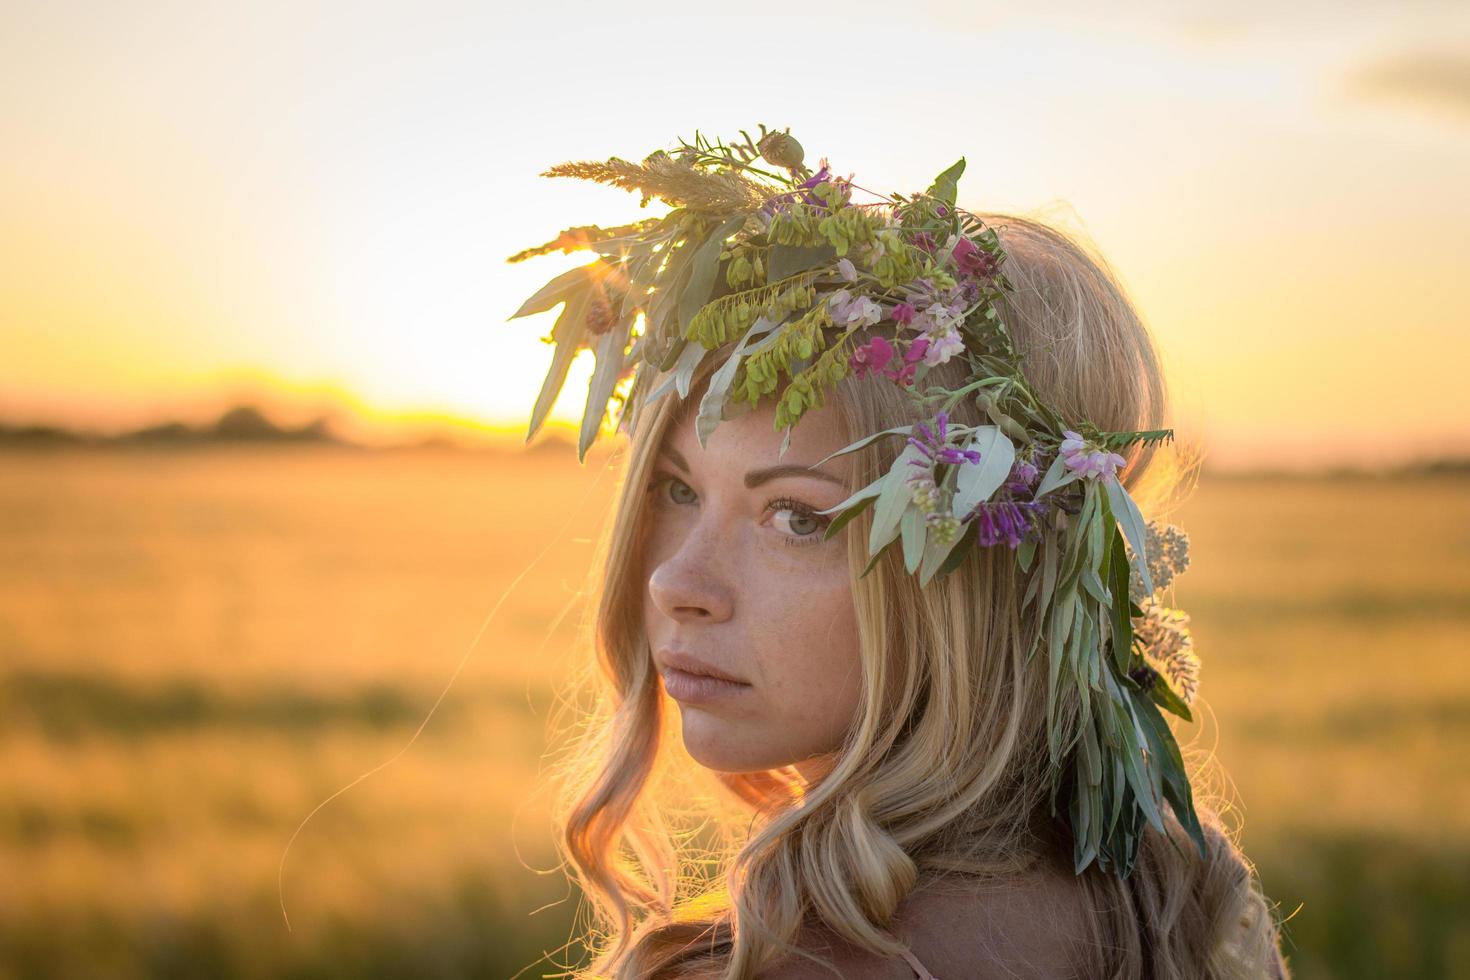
[760, 252]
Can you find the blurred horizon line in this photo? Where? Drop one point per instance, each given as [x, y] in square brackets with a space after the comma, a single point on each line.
[251, 420]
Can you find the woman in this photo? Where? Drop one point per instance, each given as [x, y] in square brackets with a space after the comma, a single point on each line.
[795, 769]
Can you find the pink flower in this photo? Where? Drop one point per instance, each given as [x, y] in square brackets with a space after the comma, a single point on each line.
[971, 259]
[1088, 461]
[903, 313]
[871, 357]
[911, 358]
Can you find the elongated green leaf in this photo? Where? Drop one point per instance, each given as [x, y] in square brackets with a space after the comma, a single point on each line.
[569, 330]
[935, 555]
[1134, 765]
[1057, 475]
[706, 259]
[712, 404]
[600, 388]
[1163, 695]
[893, 499]
[913, 531]
[846, 517]
[685, 366]
[788, 260]
[1026, 554]
[969, 536]
[1131, 520]
[668, 286]
[976, 482]
[1177, 790]
[1122, 622]
[870, 491]
[896, 430]
[558, 290]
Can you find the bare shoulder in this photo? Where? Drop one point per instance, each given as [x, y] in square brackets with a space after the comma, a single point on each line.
[1038, 925]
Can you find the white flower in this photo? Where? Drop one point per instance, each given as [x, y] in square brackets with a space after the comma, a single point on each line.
[943, 346]
[863, 312]
[854, 311]
[839, 299]
[846, 268]
[943, 317]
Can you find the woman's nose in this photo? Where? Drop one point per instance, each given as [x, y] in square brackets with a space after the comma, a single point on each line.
[692, 583]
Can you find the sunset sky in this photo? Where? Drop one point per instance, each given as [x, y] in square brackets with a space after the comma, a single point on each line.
[313, 202]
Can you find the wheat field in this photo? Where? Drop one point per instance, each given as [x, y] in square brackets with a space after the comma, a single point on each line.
[199, 647]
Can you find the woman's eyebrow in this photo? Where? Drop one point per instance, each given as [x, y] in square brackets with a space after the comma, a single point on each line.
[756, 477]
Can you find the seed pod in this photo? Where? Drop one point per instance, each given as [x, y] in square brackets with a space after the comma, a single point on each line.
[600, 317]
[781, 150]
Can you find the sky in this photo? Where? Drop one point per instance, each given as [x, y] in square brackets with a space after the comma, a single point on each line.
[312, 203]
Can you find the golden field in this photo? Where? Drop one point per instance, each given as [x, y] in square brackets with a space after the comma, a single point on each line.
[198, 647]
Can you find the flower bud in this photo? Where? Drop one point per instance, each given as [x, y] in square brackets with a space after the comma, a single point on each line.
[781, 150]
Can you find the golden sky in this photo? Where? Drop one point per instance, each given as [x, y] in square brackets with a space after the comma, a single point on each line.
[316, 200]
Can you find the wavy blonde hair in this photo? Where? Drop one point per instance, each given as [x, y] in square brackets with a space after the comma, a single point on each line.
[943, 772]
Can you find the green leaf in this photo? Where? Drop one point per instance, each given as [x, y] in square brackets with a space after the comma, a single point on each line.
[788, 260]
[913, 531]
[712, 404]
[686, 365]
[893, 499]
[844, 518]
[1131, 520]
[1057, 475]
[1122, 621]
[975, 482]
[1026, 553]
[569, 329]
[1134, 765]
[600, 388]
[896, 430]
[558, 290]
[946, 185]
[969, 535]
[1163, 695]
[866, 493]
[703, 265]
[1165, 750]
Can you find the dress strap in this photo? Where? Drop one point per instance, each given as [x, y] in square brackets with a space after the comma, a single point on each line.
[919, 968]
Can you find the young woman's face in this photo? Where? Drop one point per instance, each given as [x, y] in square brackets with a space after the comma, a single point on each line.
[740, 578]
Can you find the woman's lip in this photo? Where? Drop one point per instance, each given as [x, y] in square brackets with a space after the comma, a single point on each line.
[698, 688]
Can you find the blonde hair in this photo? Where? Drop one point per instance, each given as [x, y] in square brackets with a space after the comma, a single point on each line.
[944, 770]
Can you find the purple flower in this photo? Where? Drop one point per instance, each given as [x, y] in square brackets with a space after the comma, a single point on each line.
[933, 443]
[1006, 520]
[803, 190]
[1022, 476]
[925, 241]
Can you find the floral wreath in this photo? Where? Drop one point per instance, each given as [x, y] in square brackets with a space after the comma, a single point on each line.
[761, 252]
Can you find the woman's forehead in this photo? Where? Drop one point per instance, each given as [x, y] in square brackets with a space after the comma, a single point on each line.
[751, 439]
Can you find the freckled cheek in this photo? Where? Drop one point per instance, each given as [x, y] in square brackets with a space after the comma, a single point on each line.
[807, 635]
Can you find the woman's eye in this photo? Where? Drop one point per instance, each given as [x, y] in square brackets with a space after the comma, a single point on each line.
[797, 522]
[679, 491]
